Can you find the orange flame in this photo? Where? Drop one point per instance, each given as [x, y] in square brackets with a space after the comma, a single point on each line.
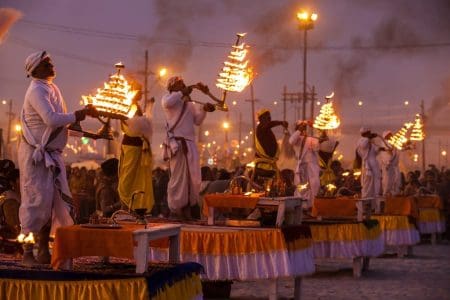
[116, 97]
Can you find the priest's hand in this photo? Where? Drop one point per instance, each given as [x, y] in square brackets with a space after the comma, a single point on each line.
[80, 115]
[208, 107]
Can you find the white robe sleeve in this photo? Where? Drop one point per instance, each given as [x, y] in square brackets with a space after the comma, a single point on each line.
[170, 100]
[294, 138]
[39, 99]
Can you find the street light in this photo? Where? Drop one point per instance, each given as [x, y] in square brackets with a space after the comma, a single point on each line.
[226, 126]
[306, 22]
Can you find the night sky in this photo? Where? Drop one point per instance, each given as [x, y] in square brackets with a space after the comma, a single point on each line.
[382, 53]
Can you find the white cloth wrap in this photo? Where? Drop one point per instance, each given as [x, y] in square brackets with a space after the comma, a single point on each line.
[370, 173]
[308, 168]
[185, 179]
[43, 181]
[33, 60]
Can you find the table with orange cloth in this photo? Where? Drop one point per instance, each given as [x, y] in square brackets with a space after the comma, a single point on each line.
[431, 218]
[401, 205]
[227, 253]
[333, 207]
[227, 201]
[398, 230]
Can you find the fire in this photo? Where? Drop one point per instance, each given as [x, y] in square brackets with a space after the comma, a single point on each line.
[302, 187]
[330, 187]
[399, 139]
[357, 173]
[236, 74]
[417, 133]
[115, 98]
[327, 119]
[26, 239]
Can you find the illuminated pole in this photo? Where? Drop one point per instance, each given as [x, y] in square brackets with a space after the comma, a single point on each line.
[306, 23]
[146, 74]
[422, 108]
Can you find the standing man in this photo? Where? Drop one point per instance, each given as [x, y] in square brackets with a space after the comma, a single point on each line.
[307, 173]
[181, 150]
[390, 160]
[370, 169]
[46, 199]
[266, 144]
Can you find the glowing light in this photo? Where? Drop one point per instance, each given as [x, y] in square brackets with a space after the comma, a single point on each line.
[360, 103]
[234, 102]
[18, 128]
[416, 157]
[417, 133]
[357, 173]
[330, 187]
[327, 119]
[206, 133]
[4, 102]
[275, 102]
[235, 74]
[84, 140]
[115, 99]
[302, 187]
[225, 125]
[406, 102]
[399, 139]
[345, 174]
[162, 72]
[318, 103]
[444, 153]
[27, 239]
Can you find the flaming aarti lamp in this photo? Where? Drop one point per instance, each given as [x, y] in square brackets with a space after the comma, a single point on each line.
[417, 133]
[235, 74]
[399, 139]
[113, 101]
[327, 118]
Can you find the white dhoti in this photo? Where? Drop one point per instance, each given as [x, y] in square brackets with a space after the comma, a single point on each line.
[185, 178]
[307, 176]
[45, 191]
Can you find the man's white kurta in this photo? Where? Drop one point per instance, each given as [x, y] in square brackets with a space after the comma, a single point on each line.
[308, 169]
[370, 172]
[185, 177]
[389, 161]
[43, 183]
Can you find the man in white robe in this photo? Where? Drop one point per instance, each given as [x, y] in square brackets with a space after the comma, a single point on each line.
[370, 169]
[185, 177]
[307, 173]
[46, 199]
[389, 161]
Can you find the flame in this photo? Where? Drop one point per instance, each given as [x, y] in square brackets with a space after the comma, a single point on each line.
[327, 119]
[357, 173]
[345, 174]
[27, 239]
[399, 139]
[417, 133]
[302, 187]
[330, 187]
[236, 74]
[116, 96]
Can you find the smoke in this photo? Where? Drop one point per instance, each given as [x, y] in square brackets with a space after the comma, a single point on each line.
[438, 112]
[8, 16]
[169, 44]
[397, 34]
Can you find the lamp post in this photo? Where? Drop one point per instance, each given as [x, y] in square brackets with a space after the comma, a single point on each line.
[161, 73]
[226, 126]
[306, 22]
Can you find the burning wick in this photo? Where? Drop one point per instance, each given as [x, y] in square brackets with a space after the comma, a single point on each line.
[302, 187]
[27, 239]
[331, 187]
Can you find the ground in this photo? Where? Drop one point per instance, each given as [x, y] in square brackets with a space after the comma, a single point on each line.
[425, 275]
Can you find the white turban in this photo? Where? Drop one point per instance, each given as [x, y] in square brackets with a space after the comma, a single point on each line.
[364, 129]
[386, 133]
[172, 81]
[33, 61]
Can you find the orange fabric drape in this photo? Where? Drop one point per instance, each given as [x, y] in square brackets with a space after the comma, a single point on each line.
[433, 201]
[334, 207]
[229, 201]
[404, 206]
